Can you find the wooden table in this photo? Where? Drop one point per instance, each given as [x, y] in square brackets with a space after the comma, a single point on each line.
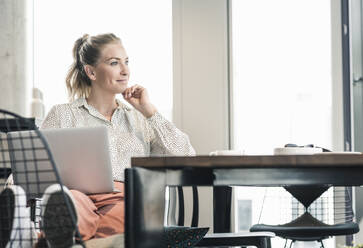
[146, 181]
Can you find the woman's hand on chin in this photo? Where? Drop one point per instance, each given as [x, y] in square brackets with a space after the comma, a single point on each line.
[138, 97]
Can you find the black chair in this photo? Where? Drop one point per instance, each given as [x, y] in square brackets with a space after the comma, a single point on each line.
[144, 224]
[27, 155]
[220, 238]
[16, 124]
[8, 125]
[312, 228]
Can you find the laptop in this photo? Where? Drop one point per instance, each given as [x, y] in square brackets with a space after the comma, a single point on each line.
[81, 156]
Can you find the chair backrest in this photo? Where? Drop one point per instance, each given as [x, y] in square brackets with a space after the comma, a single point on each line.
[222, 199]
[181, 210]
[16, 124]
[32, 153]
[35, 160]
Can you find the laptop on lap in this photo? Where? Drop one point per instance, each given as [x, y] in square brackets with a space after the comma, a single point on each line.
[81, 156]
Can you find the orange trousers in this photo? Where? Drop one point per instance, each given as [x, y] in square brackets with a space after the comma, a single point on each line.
[100, 215]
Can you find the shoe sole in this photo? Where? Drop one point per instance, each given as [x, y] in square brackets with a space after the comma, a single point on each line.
[7, 207]
[17, 230]
[58, 225]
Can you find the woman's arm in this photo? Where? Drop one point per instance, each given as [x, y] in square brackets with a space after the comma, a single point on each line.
[166, 139]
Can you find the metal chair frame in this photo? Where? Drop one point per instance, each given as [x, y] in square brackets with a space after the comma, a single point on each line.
[13, 122]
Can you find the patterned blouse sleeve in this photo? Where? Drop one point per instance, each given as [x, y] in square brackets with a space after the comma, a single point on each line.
[166, 139]
[52, 119]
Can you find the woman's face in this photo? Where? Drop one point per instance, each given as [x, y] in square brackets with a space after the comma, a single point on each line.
[111, 74]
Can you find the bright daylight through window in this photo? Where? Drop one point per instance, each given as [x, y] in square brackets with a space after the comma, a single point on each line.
[282, 89]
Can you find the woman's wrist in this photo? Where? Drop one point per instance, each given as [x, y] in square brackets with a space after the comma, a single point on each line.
[149, 111]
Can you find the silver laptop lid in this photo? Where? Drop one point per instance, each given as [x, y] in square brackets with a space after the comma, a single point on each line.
[81, 157]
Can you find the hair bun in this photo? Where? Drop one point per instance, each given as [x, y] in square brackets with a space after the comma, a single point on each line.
[82, 40]
[85, 37]
[76, 51]
[79, 43]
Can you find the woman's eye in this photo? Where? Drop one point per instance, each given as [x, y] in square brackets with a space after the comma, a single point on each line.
[114, 63]
[126, 62]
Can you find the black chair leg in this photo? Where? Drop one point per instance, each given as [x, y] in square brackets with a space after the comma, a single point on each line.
[264, 243]
[285, 243]
[322, 244]
[292, 241]
[268, 242]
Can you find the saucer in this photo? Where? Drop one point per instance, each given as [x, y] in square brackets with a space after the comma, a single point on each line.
[297, 150]
[338, 153]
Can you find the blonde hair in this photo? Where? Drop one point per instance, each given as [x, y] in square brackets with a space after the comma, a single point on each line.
[86, 51]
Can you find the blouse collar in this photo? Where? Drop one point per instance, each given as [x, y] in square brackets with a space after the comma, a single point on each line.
[80, 102]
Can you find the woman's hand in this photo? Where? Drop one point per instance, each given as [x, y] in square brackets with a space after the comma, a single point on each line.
[138, 97]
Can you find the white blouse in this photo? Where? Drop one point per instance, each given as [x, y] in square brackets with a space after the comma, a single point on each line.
[130, 133]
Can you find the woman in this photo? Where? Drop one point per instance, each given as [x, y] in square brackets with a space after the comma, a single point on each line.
[99, 72]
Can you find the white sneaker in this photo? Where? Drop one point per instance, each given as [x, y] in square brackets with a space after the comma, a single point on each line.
[58, 223]
[16, 227]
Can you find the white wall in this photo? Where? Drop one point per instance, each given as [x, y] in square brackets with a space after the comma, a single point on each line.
[337, 77]
[201, 82]
[14, 67]
[201, 72]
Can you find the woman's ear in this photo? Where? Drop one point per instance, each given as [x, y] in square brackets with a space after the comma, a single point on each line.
[90, 72]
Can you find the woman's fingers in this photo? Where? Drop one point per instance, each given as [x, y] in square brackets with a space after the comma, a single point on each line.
[137, 92]
[133, 91]
[138, 97]
[126, 93]
[136, 88]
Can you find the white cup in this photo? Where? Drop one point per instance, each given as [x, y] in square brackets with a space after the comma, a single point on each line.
[227, 153]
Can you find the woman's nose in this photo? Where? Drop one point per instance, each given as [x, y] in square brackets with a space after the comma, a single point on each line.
[124, 68]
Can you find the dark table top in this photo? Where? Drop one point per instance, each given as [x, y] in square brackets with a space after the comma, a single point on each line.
[264, 161]
[319, 169]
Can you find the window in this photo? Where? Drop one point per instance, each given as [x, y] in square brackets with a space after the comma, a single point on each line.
[145, 28]
[282, 86]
